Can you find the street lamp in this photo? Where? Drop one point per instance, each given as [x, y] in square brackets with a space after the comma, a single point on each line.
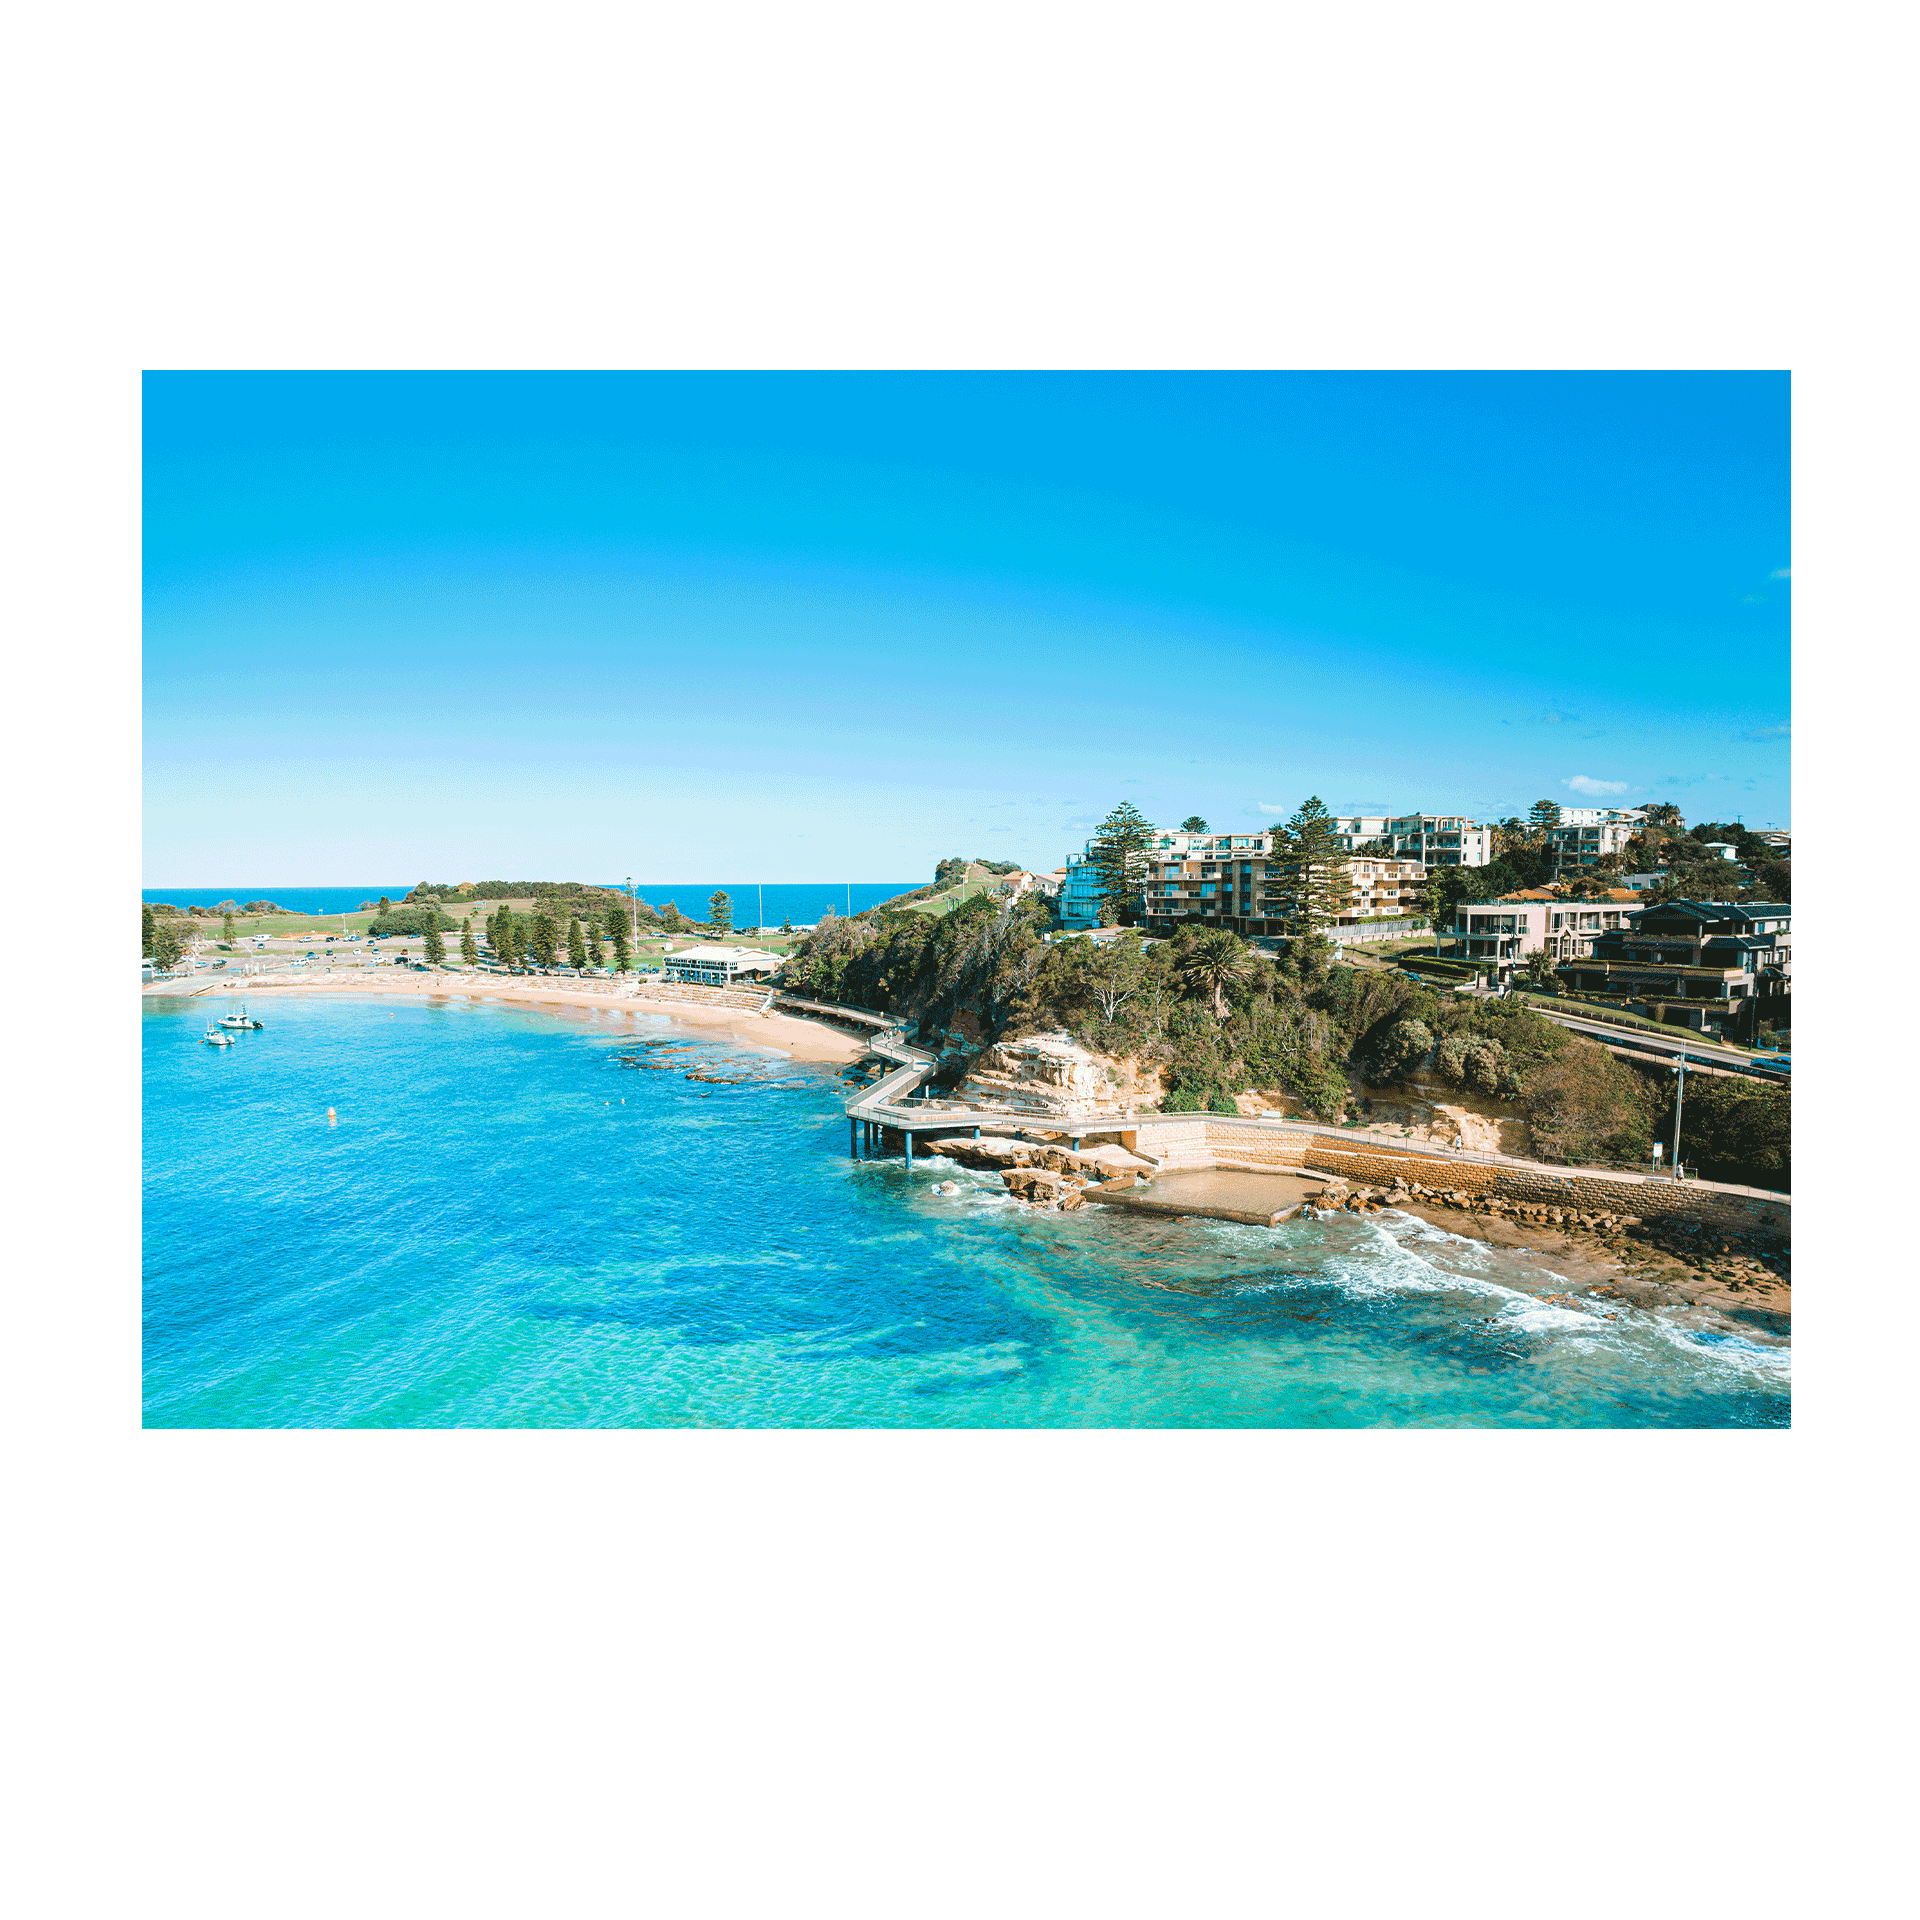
[1679, 1101]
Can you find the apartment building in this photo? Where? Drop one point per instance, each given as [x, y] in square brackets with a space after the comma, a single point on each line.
[1586, 835]
[1080, 879]
[1236, 883]
[1382, 886]
[1433, 839]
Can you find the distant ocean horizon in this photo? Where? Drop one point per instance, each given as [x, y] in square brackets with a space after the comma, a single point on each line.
[799, 901]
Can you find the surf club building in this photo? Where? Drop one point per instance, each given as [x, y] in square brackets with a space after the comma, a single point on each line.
[711, 966]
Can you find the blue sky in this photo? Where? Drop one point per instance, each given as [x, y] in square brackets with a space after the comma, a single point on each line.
[476, 626]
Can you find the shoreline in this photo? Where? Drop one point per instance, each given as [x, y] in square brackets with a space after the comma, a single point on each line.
[791, 1034]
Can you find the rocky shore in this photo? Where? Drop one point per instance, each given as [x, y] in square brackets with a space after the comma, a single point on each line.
[1043, 1175]
[1743, 1275]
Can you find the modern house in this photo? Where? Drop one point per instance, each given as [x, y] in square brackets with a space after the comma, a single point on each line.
[1574, 925]
[1080, 893]
[1503, 931]
[1702, 962]
[711, 966]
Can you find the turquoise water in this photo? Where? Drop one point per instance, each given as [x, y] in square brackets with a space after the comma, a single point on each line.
[502, 1227]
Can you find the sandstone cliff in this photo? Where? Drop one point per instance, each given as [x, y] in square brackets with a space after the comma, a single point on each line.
[1051, 1075]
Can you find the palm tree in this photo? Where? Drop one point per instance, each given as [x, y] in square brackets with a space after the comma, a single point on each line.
[1215, 961]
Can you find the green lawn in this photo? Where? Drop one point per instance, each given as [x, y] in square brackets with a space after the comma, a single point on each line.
[944, 903]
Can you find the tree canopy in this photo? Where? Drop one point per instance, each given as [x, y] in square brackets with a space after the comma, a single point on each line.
[1120, 847]
[1312, 883]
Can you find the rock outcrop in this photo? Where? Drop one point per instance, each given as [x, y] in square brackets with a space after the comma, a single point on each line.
[1051, 1075]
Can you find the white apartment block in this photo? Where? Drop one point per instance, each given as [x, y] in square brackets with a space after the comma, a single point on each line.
[1433, 839]
[1584, 840]
[1601, 816]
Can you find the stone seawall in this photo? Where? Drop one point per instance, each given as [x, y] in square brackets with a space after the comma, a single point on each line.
[1200, 1142]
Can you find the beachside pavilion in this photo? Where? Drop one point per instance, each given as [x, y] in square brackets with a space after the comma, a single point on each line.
[713, 966]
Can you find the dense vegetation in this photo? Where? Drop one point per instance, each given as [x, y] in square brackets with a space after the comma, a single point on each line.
[560, 899]
[415, 921]
[1218, 1018]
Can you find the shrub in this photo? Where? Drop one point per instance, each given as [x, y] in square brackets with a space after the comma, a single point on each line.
[1394, 1047]
[1739, 1131]
[1320, 1087]
[411, 921]
[1588, 1105]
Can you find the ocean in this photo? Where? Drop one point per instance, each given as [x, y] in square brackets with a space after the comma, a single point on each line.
[802, 902]
[502, 1227]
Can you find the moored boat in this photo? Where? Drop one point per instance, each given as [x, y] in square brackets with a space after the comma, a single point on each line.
[240, 1022]
[215, 1038]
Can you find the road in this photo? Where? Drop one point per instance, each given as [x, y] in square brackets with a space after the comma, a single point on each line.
[1639, 1040]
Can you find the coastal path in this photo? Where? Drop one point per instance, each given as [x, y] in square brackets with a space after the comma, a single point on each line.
[890, 1103]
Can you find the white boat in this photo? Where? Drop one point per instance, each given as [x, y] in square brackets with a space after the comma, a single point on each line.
[240, 1022]
[215, 1038]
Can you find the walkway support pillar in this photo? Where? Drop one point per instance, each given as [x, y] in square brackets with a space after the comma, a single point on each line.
[853, 1139]
[907, 1154]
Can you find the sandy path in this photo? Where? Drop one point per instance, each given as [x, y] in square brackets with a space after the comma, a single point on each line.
[797, 1038]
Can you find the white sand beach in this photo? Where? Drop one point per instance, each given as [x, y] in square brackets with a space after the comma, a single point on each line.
[796, 1037]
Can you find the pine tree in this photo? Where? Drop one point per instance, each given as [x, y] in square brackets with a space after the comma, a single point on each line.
[1119, 854]
[1542, 817]
[1314, 888]
[576, 944]
[469, 952]
[617, 931]
[543, 939]
[719, 912]
[1194, 824]
[226, 928]
[146, 933]
[436, 948]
